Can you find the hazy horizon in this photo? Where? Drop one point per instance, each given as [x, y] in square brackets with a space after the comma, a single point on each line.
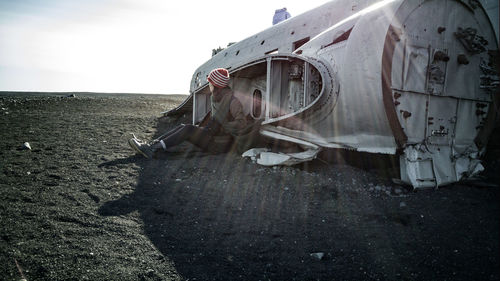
[121, 46]
[81, 93]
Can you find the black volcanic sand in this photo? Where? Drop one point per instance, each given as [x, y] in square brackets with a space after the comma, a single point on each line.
[80, 205]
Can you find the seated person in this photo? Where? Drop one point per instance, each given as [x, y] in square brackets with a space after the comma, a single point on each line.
[227, 119]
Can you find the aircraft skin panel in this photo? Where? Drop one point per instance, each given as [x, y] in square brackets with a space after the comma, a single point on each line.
[360, 109]
[358, 118]
[436, 89]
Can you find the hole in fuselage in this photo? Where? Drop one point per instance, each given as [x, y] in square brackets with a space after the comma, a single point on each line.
[294, 85]
[297, 44]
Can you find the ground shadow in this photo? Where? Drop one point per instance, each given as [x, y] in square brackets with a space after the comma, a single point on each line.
[238, 224]
[221, 217]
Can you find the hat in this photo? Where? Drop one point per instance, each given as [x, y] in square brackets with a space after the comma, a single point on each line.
[219, 77]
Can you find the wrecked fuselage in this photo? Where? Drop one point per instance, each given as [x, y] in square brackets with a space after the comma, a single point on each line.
[413, 78]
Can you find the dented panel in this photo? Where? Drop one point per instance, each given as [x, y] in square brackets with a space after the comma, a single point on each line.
[438, 90]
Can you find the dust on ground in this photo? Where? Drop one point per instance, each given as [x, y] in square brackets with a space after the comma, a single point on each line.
[80, 205]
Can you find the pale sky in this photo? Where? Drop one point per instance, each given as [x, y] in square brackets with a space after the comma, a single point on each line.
[126, 46]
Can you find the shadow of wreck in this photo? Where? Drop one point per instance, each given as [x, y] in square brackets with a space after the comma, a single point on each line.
[221, 217]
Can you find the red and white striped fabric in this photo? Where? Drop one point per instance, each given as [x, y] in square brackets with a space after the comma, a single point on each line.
[219, 77]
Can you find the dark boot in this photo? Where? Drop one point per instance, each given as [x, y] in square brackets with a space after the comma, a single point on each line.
[140, 147]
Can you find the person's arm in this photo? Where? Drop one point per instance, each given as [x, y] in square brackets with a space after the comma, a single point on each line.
[236, 110]
[212, 126]
[209, 124]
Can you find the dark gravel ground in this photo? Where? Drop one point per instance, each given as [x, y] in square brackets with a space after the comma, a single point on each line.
[80, 205]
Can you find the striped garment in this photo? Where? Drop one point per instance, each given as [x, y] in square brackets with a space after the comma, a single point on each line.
[219, 77]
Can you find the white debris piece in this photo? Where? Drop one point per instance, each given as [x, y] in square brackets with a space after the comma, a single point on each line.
[318, 255]
[26, 145]
[266, 158]
[254, 152]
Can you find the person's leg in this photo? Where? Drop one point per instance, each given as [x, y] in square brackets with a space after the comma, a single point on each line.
[165, 135]
[147, 149]
[201, 137]
[195, 135]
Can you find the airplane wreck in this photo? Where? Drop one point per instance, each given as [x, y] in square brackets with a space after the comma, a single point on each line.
[414, 78]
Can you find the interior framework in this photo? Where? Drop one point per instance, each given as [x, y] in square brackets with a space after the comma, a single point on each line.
[269, 88]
